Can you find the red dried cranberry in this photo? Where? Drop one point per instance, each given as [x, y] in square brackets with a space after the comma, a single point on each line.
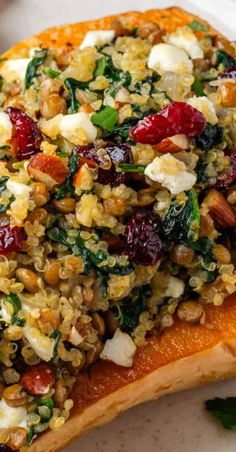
[230, 73]
[27, 135]
[142, 237]
[10, 239]
[227, 178]
[176, 118]
[119, 153]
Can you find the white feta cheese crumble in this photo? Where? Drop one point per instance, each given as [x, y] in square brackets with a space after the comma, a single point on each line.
[77, 128]
[120, 349]
[41, 344]
[184, 38]
[205, 106]
[171, 173]
[17, 188]
[5, 128]
[175, 287]
[97, 38]
[167, 57]
[12, 416]
[13, 70]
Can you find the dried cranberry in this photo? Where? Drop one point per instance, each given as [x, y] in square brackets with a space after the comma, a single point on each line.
[176, 118]
[10, 239]
[118, 153]
[142, 237]
[38, 379]
[227, 178]
[5, 448]
[230, 73]
[26, 136]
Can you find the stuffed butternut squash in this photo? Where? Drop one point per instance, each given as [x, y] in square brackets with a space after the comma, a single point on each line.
[117, 220]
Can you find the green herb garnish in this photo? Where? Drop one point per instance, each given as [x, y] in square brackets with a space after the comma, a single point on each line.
[195, 25]
[197, 87]
[72, 85]
[105, 118]
[224, 410]
[62, 154]
[52, 73]
[33, 65]
[130, 168]
[101, 66]
[14, 301]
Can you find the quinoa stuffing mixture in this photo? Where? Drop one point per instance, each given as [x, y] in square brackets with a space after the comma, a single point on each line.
[117, 206]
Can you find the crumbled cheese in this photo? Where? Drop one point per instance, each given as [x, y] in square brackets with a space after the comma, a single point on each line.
[205, 106]
[13, 70]
[97, 38]
[166, 57]
[185, 38]
[175, 287]
[77, 128]
[5, 128]
[17, 188]
[41, 344]
[120, 349]
[12, 416]
[171, 173]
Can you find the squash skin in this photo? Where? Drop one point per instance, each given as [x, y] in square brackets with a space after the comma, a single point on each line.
[184, 355]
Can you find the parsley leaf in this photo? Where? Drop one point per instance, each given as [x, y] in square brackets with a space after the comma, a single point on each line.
[72, 85]
[31, 70]
[105, 118]
[224, 410]
[197, 87]
[195, 25]
[51, 72]
[101, 66]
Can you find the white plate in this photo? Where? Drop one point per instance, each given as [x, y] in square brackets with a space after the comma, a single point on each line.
[178, 422]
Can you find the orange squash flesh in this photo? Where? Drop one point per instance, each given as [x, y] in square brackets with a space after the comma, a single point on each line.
[182, 342]
[179, 341]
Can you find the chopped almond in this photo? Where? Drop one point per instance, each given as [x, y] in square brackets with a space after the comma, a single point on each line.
[48, 169]
[172, 145]
[220, 210]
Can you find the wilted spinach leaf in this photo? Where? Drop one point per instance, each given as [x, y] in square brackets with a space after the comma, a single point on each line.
[182, 223]
[67, 187]
[31, 70]
[131, 307]
[72, 85]
[224, 58]
[211, 136]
